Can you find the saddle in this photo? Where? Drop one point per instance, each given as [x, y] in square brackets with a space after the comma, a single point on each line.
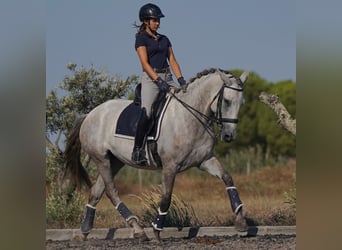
[126, 125]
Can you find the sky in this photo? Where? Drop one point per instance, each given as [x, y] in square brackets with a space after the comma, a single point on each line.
[251, 35]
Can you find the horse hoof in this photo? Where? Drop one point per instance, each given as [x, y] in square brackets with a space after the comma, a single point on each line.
[80, 237]
[241, 228]
[157, 235]
[241, 225]
[141, 236]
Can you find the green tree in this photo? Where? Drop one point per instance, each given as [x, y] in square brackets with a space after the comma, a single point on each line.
[79, 93]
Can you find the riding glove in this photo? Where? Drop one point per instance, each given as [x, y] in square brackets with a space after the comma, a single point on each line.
[182, 83]
[162, 85]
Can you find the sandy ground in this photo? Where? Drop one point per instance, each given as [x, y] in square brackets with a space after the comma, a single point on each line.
[222, 242]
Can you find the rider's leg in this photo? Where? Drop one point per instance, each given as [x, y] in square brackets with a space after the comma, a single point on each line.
[149, 92]
[139, 155]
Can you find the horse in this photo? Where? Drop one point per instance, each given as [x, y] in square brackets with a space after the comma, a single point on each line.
[187, 138]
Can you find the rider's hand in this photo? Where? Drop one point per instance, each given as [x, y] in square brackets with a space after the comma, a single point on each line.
[182, 83]
[162, 85]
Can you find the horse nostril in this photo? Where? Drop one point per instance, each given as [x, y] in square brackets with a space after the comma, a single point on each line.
[228, 138]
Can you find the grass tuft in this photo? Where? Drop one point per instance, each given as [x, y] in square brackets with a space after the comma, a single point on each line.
[180, 213]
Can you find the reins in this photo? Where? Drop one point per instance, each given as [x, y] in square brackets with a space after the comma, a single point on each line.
[209, 120]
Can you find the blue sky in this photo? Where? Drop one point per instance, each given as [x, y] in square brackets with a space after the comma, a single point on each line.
[251, 35]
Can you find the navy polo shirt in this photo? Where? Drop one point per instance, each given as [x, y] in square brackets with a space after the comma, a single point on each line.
[157, 50]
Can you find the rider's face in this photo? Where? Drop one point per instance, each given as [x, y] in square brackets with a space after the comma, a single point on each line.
[154, 24]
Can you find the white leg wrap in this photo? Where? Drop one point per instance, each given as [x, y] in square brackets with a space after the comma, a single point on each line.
[88, 205]
[160, 213]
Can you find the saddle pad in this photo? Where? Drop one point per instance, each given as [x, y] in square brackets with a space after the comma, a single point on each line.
[126, 125]
[127, 122]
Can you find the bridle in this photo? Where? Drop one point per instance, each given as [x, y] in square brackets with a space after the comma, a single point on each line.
[217, 117]
[218, 114]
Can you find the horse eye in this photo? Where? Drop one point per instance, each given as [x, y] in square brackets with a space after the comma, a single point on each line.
[227, 102]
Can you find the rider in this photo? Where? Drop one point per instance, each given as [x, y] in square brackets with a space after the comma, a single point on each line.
[155, 52]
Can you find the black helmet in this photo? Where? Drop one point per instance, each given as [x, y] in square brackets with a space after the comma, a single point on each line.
[149, 11]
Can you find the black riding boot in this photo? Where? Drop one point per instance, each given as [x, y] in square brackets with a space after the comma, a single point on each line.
[139, 154]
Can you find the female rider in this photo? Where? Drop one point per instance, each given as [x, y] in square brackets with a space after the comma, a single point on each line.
[155, 54]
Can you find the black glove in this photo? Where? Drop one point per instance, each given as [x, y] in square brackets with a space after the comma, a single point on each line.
[181, 81]
[162, 85]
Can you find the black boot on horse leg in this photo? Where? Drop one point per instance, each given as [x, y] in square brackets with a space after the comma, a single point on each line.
[132, 220]
[139, 154]
[236, 204]
[88, 220]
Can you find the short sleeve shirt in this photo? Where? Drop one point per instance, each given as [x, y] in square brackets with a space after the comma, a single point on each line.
[157, 50]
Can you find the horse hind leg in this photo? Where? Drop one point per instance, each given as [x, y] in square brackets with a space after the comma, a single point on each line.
[213, 167]
[108, 168]
[96, 193]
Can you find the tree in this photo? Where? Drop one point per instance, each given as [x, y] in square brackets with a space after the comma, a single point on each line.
[284, 118]
[82, 91]
[278, 142]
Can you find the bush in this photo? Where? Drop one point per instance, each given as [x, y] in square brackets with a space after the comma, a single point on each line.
[54, 162]
[63, 210]
[291, 198]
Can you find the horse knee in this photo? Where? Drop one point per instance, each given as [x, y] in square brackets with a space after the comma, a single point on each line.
[228, 180]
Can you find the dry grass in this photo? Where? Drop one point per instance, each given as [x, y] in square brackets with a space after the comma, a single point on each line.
[262, 192]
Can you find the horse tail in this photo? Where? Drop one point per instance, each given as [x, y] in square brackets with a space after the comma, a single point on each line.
[72, 155]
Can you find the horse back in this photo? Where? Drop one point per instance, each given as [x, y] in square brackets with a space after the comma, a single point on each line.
[99, 124]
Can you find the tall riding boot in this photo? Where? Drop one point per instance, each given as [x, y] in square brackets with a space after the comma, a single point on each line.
[139, 154]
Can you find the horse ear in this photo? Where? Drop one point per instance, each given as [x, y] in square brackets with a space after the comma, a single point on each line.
[244, 76]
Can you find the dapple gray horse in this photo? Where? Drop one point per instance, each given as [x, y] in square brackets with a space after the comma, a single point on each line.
[186, 140]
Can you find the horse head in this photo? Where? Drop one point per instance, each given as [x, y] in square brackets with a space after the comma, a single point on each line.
[227, 105]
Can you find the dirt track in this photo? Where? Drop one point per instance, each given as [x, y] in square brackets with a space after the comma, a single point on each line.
[222, 242]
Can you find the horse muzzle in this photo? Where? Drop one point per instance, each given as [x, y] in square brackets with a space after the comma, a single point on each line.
[228, 137]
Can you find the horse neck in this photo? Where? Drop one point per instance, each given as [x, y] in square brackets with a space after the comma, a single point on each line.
[202, 92]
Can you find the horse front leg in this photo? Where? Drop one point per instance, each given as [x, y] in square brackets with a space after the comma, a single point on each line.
[213, 167]
[168, 179]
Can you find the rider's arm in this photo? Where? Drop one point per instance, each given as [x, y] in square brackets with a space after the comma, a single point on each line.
[174, 64]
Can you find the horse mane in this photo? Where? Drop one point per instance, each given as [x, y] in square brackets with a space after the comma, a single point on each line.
[207, 72]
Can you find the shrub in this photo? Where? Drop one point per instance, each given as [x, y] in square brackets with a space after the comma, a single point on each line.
[63, 210]
[291, 198]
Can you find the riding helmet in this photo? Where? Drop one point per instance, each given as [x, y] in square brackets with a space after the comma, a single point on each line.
[149, 11]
